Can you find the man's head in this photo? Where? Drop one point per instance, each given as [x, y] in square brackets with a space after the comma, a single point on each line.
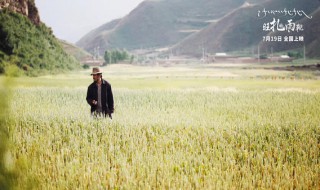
[96, 74]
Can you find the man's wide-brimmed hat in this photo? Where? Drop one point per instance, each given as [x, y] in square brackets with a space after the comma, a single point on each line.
[96, 70]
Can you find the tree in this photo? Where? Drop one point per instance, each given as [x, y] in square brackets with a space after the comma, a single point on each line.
[114, 56]
[107, 57]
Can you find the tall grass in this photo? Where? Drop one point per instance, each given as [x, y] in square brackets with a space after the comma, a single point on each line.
[7, 175]
[197, 138]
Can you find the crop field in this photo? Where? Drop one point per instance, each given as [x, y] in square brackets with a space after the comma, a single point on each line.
[177, 127]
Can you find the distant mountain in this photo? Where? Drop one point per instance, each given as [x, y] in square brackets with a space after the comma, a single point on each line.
[158, 23]
[192, 27]
[95, 38]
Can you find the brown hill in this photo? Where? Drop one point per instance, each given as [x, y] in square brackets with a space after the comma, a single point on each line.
[159, 23]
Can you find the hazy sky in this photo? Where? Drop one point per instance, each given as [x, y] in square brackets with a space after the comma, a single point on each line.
[72, 19]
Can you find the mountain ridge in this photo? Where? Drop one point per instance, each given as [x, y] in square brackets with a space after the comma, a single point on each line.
[187, 28]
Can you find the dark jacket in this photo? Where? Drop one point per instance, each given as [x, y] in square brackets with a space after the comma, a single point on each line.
[106, 97]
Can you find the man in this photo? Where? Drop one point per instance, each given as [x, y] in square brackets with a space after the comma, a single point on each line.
[99, 95]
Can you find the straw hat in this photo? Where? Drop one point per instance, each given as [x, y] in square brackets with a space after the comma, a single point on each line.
[96, 70]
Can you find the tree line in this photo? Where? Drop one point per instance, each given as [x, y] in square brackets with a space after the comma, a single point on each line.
[116, 55]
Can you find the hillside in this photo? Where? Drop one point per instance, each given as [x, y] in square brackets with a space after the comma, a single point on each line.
[158, 24]
[240, 29]
[231, 32]
[313, 48]
[75, 51]
[29, 44]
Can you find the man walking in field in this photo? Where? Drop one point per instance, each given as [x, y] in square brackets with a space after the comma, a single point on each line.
[99, 95]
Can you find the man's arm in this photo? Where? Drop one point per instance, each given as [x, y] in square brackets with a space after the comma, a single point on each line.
[110, 99]
[89, 98]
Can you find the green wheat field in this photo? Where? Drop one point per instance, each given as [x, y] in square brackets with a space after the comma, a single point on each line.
[208, 126]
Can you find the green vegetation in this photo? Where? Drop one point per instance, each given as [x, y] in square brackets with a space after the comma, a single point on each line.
[115, 56]
[32, 48]
[296, 54]
[174, 128]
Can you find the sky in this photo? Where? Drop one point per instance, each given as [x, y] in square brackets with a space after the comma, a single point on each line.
[72, 19]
